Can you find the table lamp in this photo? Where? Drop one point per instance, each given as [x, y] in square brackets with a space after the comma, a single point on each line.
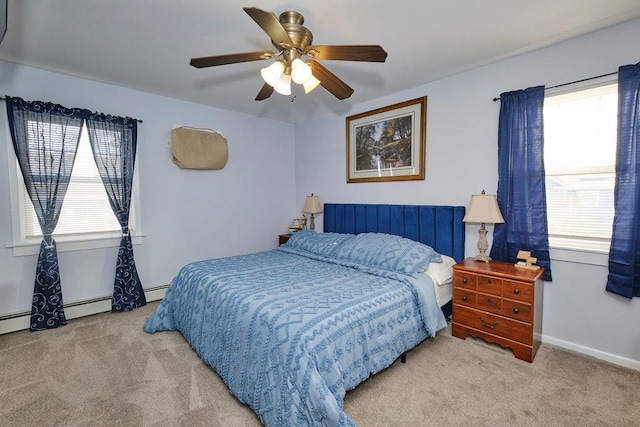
[312, 206]
[483, 209]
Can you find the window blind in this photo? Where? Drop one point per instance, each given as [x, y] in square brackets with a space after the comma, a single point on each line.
[86, 208]
[580, 131]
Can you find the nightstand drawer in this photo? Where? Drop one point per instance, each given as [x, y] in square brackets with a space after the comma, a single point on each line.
[493, 324]
[490, 285]
[517, 290]
[489, 302]
[517, 310]
[464, 296]
[462, 279]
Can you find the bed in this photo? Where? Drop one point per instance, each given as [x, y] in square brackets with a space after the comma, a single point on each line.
[291, 330]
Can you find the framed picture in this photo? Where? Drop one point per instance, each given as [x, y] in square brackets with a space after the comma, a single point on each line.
[387, 144]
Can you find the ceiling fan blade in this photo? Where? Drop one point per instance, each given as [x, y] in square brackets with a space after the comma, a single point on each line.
[234, 58]
[330, 81]
[265, 92]
[367, 53]
[271, 25]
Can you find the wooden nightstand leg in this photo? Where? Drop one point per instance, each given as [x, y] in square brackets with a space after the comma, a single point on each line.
[458, 331]
[523, 352]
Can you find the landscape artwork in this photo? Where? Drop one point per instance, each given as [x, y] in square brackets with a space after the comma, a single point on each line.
[387, 144]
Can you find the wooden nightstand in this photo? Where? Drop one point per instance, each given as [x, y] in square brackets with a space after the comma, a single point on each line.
[499, 303]
[283, 238]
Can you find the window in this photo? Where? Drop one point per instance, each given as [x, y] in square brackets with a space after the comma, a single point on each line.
[86, 219]
[580, 133]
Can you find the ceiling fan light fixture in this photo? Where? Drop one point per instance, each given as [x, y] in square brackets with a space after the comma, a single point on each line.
[300, 71]
[283, 86]
[310, 84]
[272, 74]
[293, 41]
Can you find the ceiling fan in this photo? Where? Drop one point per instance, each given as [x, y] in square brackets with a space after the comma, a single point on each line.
[293, 41]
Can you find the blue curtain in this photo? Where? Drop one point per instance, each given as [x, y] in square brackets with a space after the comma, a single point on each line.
[521, 179]
[624, 255]
[45, 139]
[113, 141]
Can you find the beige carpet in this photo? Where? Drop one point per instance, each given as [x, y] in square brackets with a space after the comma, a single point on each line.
[104, 370]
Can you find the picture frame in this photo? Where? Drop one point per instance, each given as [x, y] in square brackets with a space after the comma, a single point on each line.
[388, 143]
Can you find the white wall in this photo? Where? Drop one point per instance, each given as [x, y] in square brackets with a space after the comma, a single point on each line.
[462, 160]
[187, 215]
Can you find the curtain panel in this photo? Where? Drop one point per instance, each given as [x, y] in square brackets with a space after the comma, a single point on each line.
[521, 179]
[114, 141]
[624, 254]
[45, 139]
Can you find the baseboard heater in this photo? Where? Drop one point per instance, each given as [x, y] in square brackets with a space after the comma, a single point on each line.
[21, 320]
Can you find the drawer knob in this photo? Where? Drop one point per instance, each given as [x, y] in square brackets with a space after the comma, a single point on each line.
[516, 291]
[464, 297]
[516, 310]
[489, 281]
[464, 280]
[486, 325]
[489, 300]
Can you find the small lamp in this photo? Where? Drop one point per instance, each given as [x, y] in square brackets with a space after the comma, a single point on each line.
[312, 206]
[483, 208]
[300, 71]
[310, 84]
[271, 74]
[283, 86]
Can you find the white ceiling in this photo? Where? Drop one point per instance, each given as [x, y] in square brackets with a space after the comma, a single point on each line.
[147, 44]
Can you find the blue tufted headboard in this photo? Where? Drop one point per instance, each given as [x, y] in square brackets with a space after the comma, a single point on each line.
[440, 227]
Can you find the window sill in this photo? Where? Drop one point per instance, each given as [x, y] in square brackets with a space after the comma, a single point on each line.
[579, 256]
[74, 243]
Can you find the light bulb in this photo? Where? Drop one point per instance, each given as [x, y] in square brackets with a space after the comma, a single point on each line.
[310, 84]
[300, 71]
[283, 87]
[272, 73]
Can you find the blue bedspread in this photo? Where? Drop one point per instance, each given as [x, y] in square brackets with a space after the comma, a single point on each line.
[290, 332]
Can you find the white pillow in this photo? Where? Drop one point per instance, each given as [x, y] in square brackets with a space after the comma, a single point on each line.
[441, 272]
